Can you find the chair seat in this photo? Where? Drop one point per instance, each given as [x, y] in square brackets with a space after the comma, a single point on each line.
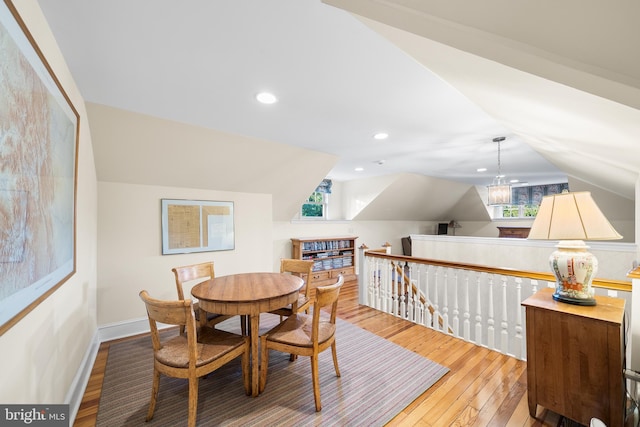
[296, 330]
[303, 302]
[212, 343]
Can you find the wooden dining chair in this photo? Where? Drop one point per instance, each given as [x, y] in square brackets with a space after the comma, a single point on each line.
[306, 335]
[189, 273]
[304, 269]
[190, 356]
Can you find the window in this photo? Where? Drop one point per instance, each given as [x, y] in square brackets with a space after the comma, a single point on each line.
[527, 200]
[520, 211]
[316, 206]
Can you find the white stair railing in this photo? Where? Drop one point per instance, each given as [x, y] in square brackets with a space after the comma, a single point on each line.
[429, 292]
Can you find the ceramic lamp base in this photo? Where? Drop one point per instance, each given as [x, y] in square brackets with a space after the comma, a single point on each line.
[577, 301]
[574, 269]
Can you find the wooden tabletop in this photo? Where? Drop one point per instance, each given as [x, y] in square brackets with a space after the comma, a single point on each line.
[247, 293]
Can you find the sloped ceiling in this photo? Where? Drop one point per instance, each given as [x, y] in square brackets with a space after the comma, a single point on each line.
[413, 197]
[563, 76]
[139, 149]
[585, 44]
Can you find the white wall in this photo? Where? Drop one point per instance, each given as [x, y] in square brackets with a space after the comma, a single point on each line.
[614, 259]
[43, 352]
[371, 233]
[129, 244]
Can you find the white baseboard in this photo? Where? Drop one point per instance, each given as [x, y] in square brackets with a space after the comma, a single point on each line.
[114, 331]
[79, 383]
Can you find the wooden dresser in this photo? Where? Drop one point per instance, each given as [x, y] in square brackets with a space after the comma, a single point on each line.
[575, 358]
[514, 232]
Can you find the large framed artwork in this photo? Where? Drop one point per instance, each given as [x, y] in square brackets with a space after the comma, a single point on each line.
[196, 226]
[38, 172]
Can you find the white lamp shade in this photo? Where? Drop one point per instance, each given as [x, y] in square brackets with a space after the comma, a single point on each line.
[571, 216]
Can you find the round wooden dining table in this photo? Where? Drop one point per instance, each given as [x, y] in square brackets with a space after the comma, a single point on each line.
[248, 294]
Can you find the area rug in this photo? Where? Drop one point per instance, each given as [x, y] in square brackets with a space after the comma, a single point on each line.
[378, 380]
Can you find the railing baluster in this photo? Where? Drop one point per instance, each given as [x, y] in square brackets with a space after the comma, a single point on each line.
[478, 312]
[395, 291]
[456, 312]
[374, 283]
[445, 302]
[411, 294]
[428, 318]
[404, 293]
[534, 286]
[436, 306]
[466, 324]
[386, 299]
[518, 341]
[504, 333]
[491, 334]
[418, 306]
[380, 285]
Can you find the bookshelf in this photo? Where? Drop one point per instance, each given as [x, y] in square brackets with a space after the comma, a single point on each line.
[332, 256]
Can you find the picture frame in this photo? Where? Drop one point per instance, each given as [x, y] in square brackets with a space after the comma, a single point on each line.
[196, 226]
[38, 174]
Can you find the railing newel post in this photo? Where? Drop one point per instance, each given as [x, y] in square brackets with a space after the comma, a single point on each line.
[364, 279]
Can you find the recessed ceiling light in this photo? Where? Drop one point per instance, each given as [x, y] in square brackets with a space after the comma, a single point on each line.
[481, 170]
[513, 181]
[266, 98]
[358, 169]
[381, 135]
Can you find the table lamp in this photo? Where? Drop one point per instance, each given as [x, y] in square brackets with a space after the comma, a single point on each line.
[572, 218]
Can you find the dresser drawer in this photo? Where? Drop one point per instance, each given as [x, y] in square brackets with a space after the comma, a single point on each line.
[347, 272]
[318, 276]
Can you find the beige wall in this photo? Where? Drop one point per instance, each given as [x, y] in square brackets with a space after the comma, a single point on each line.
[43, 352]
[129, 244]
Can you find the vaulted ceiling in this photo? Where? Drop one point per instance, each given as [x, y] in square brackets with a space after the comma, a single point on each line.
[560, 81]
[563, 76]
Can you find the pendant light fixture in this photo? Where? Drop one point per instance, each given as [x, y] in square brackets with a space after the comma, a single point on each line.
[499, 190]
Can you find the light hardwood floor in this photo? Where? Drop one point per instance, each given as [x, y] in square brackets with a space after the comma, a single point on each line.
[483, 387]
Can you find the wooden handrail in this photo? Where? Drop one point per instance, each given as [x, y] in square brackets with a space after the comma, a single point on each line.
[421, 297]
[618, 285]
